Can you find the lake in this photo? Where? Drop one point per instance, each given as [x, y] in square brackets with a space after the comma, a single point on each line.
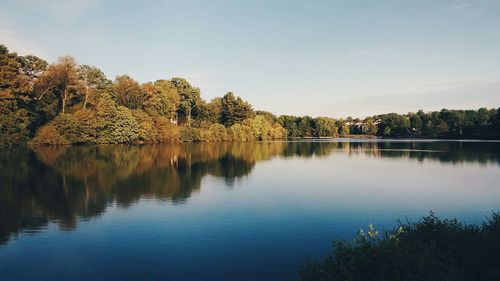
[242, 211]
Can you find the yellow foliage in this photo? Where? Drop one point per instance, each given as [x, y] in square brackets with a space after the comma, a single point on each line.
[49, 135]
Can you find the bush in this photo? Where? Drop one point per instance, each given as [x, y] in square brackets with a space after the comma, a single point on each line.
[189, 134]
[146, 130]
[63, 129]
[218, 132]
[14, 126]
[68, 127]
[432, 249]
[241, 132]
[165, 131]
[87, 122]
[49, 135]
[116, 124]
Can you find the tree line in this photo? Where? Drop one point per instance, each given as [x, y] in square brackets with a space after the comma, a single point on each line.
[481, 124]
[68, 103]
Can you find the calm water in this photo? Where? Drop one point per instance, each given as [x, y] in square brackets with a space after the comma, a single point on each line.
[223, 211]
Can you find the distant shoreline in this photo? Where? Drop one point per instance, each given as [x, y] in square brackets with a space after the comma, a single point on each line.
[369, 138]
[372, 137]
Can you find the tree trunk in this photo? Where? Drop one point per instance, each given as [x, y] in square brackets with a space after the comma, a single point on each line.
[64, 99]
[86, 97]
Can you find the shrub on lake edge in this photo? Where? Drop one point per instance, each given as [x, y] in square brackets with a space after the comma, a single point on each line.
[431, 249]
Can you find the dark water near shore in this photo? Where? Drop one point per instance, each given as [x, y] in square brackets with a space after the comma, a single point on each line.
[248, 211]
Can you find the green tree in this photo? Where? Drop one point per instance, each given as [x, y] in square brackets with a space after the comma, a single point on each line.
[416, 123]
[325, 127]
[18, 74]
[344, 130]
[455, 119]
[189, 99]
[93, 80]
[214, 110]
[369, 127]
[116, 124]
[305, 126]
[269, 116]
[290, 123]
[162, 99]
[394, 124]
[495, 124]
[234, 110]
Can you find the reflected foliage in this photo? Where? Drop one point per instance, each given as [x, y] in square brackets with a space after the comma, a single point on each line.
[67, 183]
[64, 184]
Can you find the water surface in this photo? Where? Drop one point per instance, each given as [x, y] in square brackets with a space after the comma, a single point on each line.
[247, 211]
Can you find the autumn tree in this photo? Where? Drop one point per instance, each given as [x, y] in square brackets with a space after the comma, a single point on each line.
[17, 104]
[162, 99]
[269, 116]
[93, 80]
[129, 92]
[61, 80]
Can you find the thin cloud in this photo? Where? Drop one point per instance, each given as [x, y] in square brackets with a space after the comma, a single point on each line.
[361, 51]
[459, 6]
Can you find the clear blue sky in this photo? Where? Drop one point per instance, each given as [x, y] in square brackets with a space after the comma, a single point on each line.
[321, 58]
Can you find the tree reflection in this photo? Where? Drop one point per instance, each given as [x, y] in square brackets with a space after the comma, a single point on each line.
[64, 184]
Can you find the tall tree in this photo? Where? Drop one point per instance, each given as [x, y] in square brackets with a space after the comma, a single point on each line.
[214, 110]
[162, 99]
[18, 74]
[129, 92]
[62, 80]
[93, 79]
[189, 98]
[234, 110]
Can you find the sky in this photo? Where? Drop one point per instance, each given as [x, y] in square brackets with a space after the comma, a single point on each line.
[319, 58]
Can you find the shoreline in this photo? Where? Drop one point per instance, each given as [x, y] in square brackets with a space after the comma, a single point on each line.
[306, 139]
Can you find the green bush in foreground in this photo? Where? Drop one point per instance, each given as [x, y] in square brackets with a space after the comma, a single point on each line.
[432, 249]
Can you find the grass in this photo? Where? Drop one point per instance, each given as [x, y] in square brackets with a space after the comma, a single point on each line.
[430, 249]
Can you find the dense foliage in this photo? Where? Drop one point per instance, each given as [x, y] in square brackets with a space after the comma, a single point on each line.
[481, 124]
[68, 103]
[432, 249]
